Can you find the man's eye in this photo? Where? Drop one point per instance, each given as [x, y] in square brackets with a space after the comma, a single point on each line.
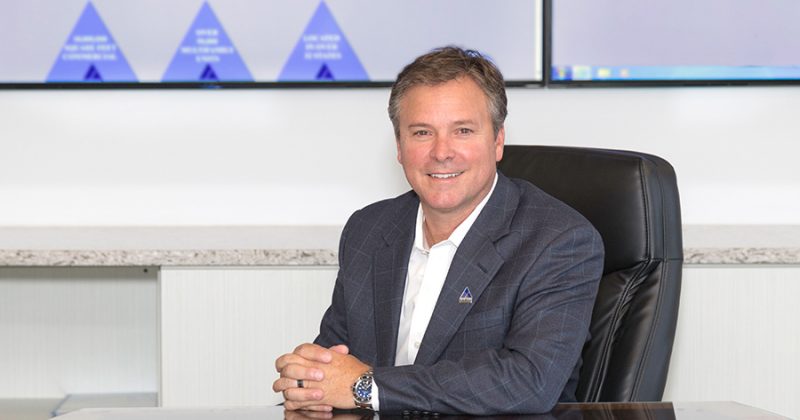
[464, 130]
[421, 133]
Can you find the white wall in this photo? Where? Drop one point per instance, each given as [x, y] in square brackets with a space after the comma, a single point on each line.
[208, 157]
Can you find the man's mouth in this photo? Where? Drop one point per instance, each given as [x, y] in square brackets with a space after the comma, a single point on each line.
[445, 176]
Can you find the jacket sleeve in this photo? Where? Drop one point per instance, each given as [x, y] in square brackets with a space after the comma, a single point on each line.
[548, 327]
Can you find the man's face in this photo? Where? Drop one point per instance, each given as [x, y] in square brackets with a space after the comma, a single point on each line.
[447, 146]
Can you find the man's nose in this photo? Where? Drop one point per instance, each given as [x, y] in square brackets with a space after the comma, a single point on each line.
[442, 148]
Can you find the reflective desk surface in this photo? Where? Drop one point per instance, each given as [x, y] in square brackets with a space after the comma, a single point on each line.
[599, 411]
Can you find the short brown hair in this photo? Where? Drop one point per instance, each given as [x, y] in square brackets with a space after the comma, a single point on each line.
[449, 63]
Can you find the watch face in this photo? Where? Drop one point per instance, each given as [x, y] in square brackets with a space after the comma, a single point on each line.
[363, 393]
[362, 390]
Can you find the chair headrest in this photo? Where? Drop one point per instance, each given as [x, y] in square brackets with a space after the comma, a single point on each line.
[628, 196]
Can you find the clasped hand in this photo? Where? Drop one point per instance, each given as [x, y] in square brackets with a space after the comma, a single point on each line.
[327, 374]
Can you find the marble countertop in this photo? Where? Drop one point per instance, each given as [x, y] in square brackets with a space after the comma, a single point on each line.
[751, 244]
[313, 245]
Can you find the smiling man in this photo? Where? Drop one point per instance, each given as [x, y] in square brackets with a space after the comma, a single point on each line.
[473, 292]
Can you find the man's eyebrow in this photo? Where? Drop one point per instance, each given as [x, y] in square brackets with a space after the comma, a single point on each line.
[419, 125]
[465, 122]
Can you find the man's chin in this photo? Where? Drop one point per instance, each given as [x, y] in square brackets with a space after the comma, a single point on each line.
[443, 206]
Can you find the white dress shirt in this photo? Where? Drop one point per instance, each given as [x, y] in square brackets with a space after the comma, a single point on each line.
[427, 270]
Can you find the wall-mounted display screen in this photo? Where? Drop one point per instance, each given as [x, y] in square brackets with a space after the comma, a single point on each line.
[678, 40]
[256, 41]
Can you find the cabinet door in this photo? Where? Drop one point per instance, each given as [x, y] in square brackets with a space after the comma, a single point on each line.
[77, 330]
[222, 329]
[738, 337]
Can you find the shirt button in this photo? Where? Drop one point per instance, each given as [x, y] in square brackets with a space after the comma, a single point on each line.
[416, 344]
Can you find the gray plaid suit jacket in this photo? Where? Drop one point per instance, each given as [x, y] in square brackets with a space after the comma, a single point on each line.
[532, 265]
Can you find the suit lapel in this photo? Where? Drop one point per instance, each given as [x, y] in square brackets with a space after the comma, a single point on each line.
[391, 266]
[475, 264]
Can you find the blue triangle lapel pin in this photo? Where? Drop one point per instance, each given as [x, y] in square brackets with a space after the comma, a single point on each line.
[466, 296]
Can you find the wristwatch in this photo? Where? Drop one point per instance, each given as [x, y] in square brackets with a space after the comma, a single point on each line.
[362, 391]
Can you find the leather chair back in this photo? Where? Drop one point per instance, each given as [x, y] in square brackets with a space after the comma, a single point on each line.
[632, 200]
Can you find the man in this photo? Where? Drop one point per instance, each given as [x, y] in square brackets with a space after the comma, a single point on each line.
[470, 294]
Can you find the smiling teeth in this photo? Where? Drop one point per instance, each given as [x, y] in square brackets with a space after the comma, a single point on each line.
[445, 176]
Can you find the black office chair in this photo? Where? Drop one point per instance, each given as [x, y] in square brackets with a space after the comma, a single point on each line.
[632, 200]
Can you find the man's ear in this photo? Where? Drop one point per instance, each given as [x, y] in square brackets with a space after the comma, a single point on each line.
[499, 142]
[399, 153]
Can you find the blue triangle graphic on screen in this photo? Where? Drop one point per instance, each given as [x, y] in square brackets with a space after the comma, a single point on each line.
[325, 73]
[322, 52]
[205, 44]
[208, 73]
[92, 75]
[89, 52]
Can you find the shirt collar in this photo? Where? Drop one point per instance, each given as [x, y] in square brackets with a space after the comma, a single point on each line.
[460, 232]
